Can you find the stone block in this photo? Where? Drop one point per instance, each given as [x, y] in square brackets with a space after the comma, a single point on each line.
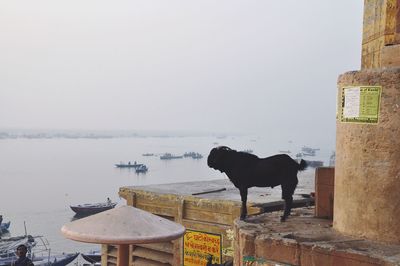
[244, 244]
[278, 249]
[324, 191]
[329, 256]
[390, 56]
[309, 255]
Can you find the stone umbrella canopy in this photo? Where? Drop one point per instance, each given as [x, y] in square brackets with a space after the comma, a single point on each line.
[123, 226]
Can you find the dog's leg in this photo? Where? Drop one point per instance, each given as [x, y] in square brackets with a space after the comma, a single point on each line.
[243, 210]
[287, 194]
[288, 208]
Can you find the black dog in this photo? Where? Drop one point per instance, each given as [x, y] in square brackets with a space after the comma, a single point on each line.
[247, 170]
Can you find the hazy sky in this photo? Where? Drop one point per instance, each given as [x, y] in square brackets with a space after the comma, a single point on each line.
[263, 67]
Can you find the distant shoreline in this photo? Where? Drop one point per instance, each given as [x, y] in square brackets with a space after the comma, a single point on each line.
[53, 134]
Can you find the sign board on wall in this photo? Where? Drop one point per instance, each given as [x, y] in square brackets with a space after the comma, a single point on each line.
[360, 104]
[197, 246]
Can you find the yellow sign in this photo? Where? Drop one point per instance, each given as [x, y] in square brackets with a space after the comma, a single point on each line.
[198, 246]
[360, 104]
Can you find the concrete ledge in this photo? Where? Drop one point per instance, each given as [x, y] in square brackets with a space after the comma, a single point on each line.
[305, 240]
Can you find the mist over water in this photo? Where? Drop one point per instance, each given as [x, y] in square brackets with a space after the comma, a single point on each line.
[41, 178]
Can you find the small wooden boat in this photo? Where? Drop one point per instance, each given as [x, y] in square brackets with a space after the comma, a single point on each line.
[169, 156]
[128, 165]
[54, 260]
[314, 164]
[38, 252]
[308, 151]
[193, 155]
[92, 256]
[92, 208]
[8, 245]
[141, 169]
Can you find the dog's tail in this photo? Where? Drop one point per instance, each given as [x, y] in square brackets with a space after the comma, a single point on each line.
[302, 165]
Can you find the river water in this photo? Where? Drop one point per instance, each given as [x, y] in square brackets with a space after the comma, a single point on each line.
[41, 178]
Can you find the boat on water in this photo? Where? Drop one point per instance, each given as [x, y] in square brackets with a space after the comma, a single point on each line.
[148, 154]
[38, 252]
[193, 155]
[92, 257]
[8, 245]
[188, 154]
[92, 208]
[169, 156]
[128, 165]
[308, 151]
[55, 260]
[197, 156]
[314, 164]
[4, 227]
[141, 169]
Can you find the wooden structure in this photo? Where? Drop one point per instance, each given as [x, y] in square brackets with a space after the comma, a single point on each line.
[213, 209]
[214, 216]
[120, 228]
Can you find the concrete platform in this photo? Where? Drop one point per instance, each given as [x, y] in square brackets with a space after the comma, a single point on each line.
[305, 240]
[231, 193]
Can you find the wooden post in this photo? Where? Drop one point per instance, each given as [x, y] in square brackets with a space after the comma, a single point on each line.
[104, 254]
[123, 255]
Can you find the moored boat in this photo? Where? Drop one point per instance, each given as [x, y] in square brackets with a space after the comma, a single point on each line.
[4, 227]
[9, 245]
[314, 164]
[193, 155]
[54, 260]
[92, 257]
[308, 151]
[128, 165]
[92, 208]
[38, 252]
[169, 156]
[141, 169]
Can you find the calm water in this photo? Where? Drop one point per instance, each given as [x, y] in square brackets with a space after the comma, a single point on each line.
[40, 178]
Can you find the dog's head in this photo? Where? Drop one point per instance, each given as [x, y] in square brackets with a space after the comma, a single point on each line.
[216, 158]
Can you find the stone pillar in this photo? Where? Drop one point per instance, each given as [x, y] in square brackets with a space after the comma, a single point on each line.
[367, 173]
